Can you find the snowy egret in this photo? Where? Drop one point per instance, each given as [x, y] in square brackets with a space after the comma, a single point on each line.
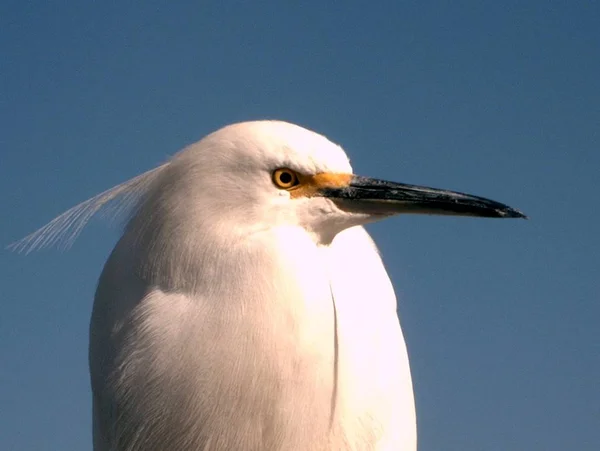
[244, 306]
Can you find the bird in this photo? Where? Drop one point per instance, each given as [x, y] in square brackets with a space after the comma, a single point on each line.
[245, 306]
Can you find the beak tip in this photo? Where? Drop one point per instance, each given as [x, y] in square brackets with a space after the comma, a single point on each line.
[512, 213]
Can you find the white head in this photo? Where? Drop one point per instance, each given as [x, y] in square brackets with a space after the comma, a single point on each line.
[250, 177]
[254, 176]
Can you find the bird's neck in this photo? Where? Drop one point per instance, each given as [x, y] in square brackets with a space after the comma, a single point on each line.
[285, 331]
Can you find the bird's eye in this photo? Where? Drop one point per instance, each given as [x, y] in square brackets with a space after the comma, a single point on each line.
[285, 178]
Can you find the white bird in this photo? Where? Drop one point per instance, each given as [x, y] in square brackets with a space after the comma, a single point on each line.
[245, 308]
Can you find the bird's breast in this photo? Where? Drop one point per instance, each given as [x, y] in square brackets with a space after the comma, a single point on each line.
[287, 348]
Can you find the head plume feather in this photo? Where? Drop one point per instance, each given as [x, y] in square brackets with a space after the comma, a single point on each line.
[64, 229]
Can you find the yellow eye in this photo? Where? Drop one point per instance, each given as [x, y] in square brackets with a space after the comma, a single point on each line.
[285, 178]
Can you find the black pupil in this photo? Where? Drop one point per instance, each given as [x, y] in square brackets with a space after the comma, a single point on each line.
[285, 178]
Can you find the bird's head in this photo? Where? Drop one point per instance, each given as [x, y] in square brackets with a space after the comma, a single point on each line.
[254, 176]
[251, 177]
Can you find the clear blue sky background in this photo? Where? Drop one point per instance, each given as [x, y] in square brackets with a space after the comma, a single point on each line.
[499, 99]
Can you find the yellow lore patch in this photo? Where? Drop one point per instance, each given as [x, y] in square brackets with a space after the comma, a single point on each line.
[311, 184]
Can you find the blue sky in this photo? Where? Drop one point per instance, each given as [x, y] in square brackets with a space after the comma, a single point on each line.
[499, 99]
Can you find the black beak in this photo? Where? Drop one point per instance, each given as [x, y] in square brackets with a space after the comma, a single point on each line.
[379, 197]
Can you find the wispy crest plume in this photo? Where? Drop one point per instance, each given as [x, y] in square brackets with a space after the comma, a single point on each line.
[64, 229]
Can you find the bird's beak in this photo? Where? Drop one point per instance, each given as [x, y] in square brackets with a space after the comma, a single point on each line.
[358, 194]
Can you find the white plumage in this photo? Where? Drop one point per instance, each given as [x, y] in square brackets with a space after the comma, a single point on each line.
[239, 313]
